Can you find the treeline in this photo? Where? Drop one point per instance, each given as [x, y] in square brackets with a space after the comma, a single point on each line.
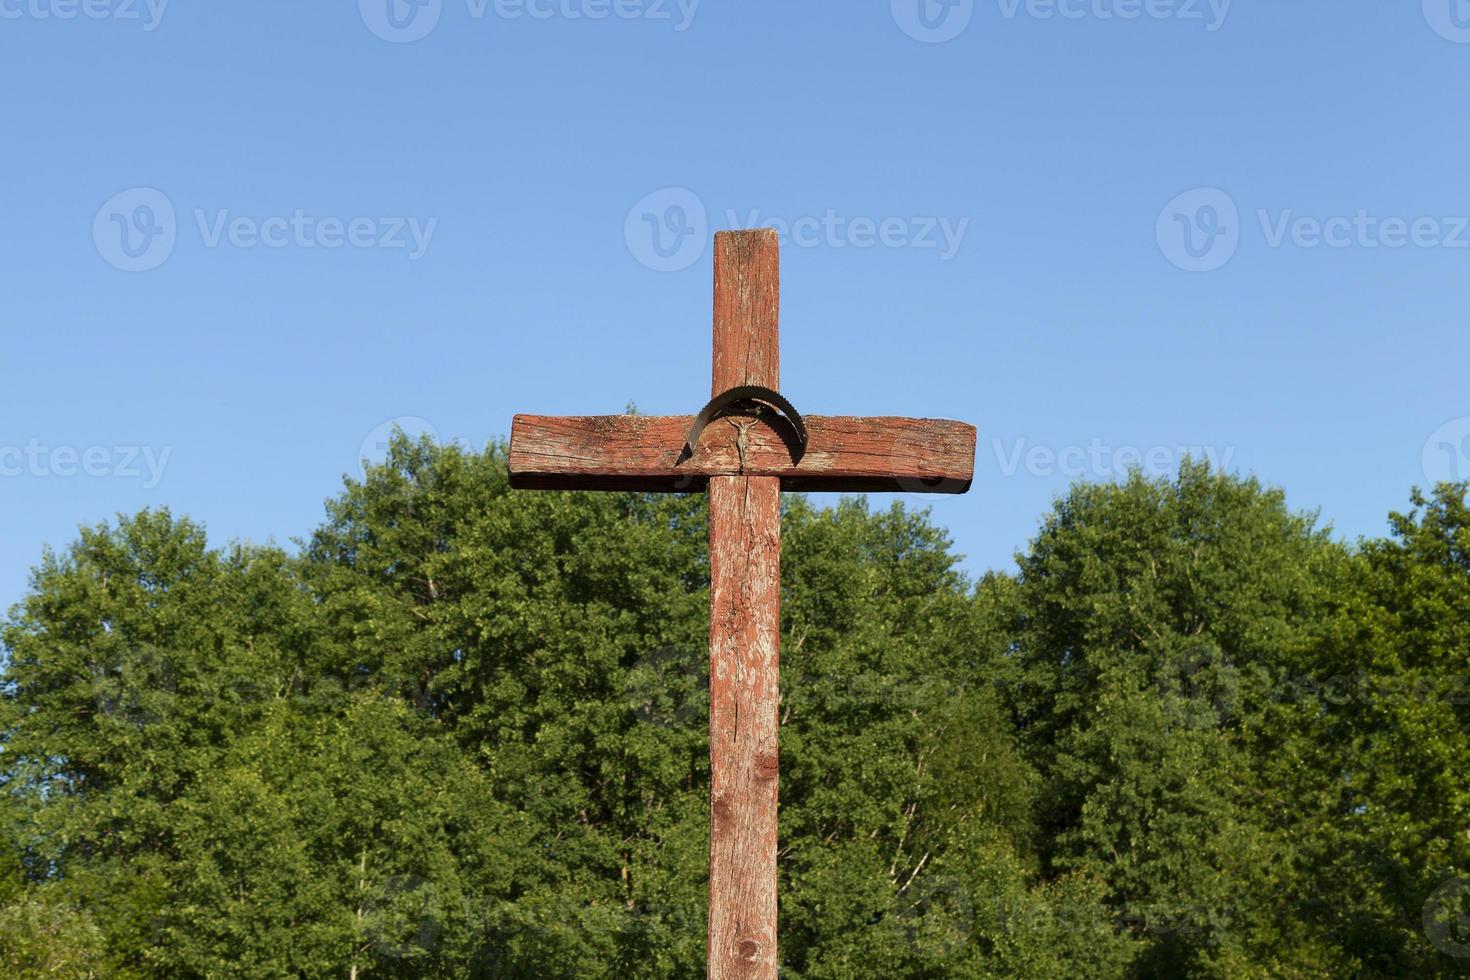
[461, 733]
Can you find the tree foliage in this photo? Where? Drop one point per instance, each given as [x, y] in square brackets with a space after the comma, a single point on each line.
[460, 732]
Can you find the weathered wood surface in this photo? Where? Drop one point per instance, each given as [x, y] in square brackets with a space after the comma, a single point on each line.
[747, 310]
[745, 696]
[744, 632]
[644, 452]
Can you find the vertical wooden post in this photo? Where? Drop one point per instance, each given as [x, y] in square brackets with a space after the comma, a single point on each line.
[745, 631]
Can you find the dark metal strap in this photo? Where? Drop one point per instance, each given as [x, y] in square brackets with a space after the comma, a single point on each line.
[745, 393]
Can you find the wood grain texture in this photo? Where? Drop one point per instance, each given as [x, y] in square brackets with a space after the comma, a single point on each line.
[745, 695]
[744, 628]
[644, 452]
[747, 310]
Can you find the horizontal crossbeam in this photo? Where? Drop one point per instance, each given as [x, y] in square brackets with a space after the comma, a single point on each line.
[647, 453]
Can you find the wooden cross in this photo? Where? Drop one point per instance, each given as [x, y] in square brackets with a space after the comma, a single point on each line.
[745, 458]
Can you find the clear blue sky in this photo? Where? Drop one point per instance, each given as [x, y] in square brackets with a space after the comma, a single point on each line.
[236, 381]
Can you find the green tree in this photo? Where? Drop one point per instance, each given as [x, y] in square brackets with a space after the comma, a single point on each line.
[1154, 620]
[213, 787]
[463, 733]
[1383, 715]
